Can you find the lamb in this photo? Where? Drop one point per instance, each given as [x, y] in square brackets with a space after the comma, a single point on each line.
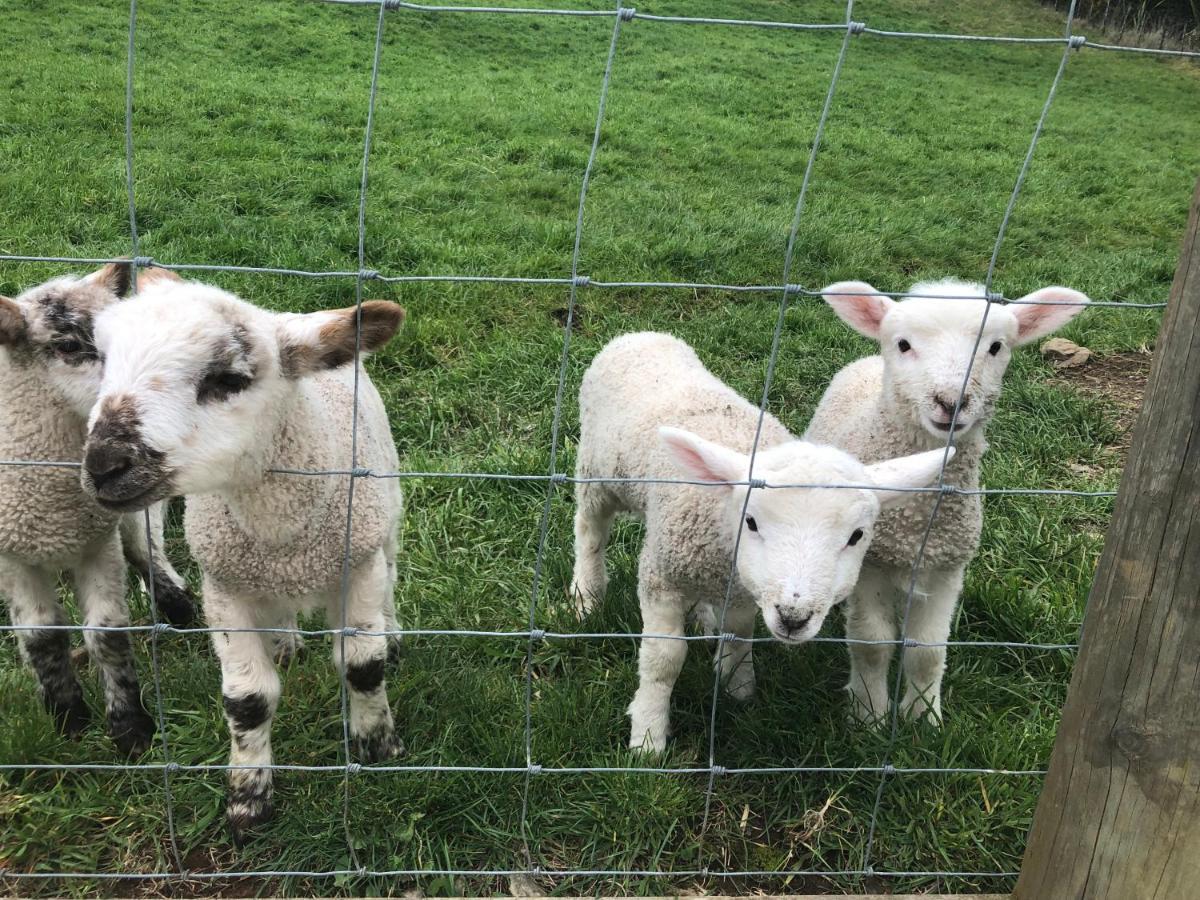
[906, 400]
[49, 376]
[204, 395]
[800, 549]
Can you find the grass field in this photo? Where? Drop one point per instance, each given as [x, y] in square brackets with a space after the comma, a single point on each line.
[248, 135]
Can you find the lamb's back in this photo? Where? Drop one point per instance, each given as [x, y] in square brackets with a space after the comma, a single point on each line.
[643, 381]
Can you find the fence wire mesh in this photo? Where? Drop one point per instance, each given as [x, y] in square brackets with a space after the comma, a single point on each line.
[849, 29]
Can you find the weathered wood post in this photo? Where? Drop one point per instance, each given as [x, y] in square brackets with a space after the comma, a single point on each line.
[1119, 816]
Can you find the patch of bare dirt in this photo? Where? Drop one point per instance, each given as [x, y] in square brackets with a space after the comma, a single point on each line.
[1119, 379]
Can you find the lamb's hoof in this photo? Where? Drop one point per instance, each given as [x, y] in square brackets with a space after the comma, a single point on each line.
[71, 718]
[288, 647]
[176, 603]
[583, 600]
[395, 649]
[648, 744]
[378, 745]
[132, 730]
[863, 715]
[246, 813]
[742, 691]
[919, 710]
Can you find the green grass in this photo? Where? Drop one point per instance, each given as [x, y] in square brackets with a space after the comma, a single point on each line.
[249, 126]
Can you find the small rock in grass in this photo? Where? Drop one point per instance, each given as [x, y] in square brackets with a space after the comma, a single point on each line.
[522, 885]
[1064, 354]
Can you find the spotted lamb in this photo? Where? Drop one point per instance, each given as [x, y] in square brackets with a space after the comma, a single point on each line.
[49, 378]
[207, 396]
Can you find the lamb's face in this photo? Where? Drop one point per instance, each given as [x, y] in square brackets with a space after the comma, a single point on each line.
[192, 376]
[51, 327]
[929, 343]
[801, 549]
[927, 346]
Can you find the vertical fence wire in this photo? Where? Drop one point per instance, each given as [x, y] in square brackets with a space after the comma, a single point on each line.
[156, 631]
[347, 551]
[851, 29]
[622, 15]
[895, 698]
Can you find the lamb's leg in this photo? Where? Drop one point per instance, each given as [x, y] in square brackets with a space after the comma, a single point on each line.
[737, 657]
[595, 509]
[395, 643]
[286, 645]
[100, 590]
[172, 596]
[870, 616]
[32, 599]
[659, 663]
[929, 622]
[250, 694]
[371, 726]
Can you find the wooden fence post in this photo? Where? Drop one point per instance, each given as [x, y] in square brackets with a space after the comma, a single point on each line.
[1119, 816]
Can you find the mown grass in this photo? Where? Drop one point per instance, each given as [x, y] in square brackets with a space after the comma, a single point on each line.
[249, 127]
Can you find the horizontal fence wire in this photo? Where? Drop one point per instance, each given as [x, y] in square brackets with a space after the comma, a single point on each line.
[580, 281]
[553, 478]
[631, 14]
[535, 634]
[533, 769]
[535, 872]
[560, 478]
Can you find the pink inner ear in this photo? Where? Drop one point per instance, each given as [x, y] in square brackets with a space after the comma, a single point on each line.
[1030, 319]
[693, 460]
[857, 305]
[1034, 320]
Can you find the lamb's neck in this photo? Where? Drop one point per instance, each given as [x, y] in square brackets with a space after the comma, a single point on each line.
[897, 421]
[275, 507]
[33, 412]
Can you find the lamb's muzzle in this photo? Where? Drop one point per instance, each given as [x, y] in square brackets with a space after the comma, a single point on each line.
[120, 469]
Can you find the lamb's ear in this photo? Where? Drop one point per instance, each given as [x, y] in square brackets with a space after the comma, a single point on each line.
[1047, 312]
[326, 340]
[12, 323]
[916, 471]
[156, 275]
[859, 306]
[703, 460]
[115, 277]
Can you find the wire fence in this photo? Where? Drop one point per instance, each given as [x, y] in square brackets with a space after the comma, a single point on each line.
[850, 30]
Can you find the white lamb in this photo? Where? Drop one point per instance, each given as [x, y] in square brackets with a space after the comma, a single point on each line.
[49, 378]
[203, 394]
[800, 548]
[904, 401]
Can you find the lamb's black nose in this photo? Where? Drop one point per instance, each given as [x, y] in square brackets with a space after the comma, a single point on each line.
[792, 620]
[947, 403]
[107, 462]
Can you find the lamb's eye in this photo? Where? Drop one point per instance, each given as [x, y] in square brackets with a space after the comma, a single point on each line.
[73, 351]
[995, 348]
[855, 537]
[221, 385]
[903, 345]
[751, 524]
